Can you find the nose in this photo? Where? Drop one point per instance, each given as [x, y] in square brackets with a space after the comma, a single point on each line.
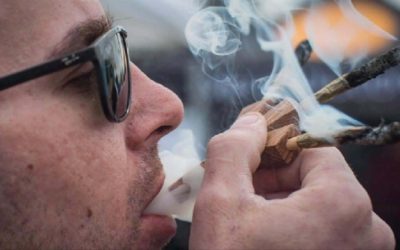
[155, 111]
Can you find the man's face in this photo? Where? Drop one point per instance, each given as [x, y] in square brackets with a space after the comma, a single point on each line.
[70, 178]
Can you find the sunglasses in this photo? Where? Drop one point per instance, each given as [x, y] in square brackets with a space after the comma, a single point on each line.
[110, 57]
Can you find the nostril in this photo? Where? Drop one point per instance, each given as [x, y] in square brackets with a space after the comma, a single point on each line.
[164, 130]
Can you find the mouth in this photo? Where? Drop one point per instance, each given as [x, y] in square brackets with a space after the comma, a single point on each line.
[159, 229]
[158, 189]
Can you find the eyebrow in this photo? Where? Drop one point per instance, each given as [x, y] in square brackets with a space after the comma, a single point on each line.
[81, 35]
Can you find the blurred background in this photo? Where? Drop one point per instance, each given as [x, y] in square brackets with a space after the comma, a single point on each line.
[158, 47]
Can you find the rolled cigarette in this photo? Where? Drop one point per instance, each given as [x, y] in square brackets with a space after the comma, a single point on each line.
[334, 88]
[354, 135]
[307, 141]
[359, 76]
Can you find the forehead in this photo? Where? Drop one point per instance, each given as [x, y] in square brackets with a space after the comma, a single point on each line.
[30, 29]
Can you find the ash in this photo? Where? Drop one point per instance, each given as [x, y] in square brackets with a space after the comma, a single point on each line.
[381, 135]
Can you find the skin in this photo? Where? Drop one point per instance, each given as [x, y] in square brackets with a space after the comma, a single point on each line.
[317, 203]
[72, 180]
[69, 178]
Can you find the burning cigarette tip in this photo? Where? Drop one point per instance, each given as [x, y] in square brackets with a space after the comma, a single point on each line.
[303, 52]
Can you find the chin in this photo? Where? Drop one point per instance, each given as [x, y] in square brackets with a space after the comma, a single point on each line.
[155, 231]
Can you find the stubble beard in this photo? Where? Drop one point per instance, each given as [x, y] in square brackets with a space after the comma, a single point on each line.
[151, 171]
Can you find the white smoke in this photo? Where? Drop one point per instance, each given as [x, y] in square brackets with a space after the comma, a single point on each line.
[352, 13]
[319, 26]
[215, 35]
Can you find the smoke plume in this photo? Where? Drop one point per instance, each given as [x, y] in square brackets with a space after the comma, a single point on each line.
[215, 35]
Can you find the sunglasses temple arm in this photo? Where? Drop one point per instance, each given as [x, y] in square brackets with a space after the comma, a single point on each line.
[46, 68]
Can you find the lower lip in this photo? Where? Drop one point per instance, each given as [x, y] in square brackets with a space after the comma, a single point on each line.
[160, 228]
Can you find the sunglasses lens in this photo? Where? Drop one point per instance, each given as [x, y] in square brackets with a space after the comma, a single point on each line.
[118, 78]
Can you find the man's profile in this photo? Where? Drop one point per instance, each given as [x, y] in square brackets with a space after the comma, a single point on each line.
[79, 161]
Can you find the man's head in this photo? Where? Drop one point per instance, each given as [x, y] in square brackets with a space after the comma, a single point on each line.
[69, 177]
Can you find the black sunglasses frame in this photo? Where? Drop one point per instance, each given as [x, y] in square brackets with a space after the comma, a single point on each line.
[93, 53]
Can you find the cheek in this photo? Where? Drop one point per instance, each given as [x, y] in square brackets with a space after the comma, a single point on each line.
[55, 163]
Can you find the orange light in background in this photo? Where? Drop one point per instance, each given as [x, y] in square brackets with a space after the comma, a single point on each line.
[361, 36]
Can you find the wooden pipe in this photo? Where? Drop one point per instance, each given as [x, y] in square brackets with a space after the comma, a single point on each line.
[282, 124]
